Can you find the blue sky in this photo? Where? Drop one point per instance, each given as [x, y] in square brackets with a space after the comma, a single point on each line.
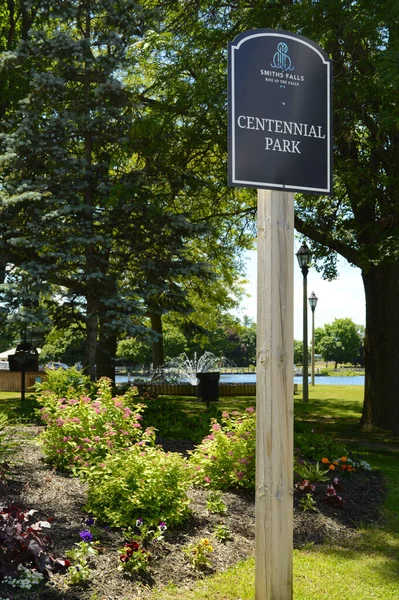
[337, 299]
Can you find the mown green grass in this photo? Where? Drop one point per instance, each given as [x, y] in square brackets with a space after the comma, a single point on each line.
[11, 405]
[364, 568]
[235, 584]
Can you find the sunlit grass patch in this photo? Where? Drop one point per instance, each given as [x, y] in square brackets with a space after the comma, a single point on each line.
[361, 573]
[237, 583]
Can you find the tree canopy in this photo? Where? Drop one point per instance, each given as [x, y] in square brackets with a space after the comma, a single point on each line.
[114, 111]
[105, 193]
[340, 341]
[360, 220]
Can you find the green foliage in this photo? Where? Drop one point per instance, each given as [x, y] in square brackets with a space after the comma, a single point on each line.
[173, 422]
[7, 445]
[63, 345]
[63, 383]
[308, 503]
[340, 341]
[135, 351]
[221, 532]
[140, 482]
[82, 431]
[311, 473]
[215, 503]
[134, 558]
[226, 457]
[298, 352]
[198, 553]
[79, 571]
[314, 445]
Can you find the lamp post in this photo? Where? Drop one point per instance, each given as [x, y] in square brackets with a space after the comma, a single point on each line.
[304, 257]
[312, 303]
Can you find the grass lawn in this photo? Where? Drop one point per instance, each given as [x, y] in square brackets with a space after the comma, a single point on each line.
[366, 568]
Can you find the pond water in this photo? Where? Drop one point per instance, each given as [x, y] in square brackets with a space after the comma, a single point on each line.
[251, 378]
[336, 380]
[321, 380]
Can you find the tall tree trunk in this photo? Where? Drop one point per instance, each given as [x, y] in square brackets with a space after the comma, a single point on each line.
[158, 357]
[106, 351]
[381, 348]
[89, 357]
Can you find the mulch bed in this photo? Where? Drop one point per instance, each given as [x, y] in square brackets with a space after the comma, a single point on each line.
[34, 485]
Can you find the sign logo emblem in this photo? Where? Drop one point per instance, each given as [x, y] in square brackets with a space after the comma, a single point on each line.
[281, 60]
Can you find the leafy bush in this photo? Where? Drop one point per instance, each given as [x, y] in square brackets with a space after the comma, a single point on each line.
[81, 432]
[171, 422]
[68, 383]
[226, 457]
[7, 445]
[314, 445]
[141, 482]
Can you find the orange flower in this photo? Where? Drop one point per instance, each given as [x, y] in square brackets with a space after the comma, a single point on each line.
[332, 468]
[325, 461]
[336, 463]
[350, 467]
[344, 458]
[344, 467]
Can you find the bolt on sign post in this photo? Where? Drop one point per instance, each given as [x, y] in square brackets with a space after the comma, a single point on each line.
[279, 142]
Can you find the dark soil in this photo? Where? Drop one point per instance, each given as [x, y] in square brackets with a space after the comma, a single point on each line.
[32, 484]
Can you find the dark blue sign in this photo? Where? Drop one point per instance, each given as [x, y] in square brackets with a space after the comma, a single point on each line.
[280, 107]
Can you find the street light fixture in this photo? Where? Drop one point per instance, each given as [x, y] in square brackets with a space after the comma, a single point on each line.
[304, 257]
[312, 303]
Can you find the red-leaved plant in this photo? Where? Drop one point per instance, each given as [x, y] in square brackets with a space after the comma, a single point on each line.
[24, 542]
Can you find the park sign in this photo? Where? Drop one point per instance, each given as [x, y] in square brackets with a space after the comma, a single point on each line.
[280, 125]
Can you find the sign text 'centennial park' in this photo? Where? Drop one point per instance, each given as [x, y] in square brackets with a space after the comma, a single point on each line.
[280, 125]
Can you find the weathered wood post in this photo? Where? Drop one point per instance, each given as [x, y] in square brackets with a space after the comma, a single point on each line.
[280, 134]
[274, 397]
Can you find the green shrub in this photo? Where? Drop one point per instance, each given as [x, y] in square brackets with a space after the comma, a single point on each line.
[141, 482]
[314, 445]
[7, 445]
[226, 457]
[172, 422]
[82, 431]
[68, 383]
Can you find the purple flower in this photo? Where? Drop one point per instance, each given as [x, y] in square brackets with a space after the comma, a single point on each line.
[89, 521]
[139, 523]
[162, 526]
[85, 535]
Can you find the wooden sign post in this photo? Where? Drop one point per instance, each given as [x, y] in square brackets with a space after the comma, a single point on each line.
[274, 397]
[280, 134]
